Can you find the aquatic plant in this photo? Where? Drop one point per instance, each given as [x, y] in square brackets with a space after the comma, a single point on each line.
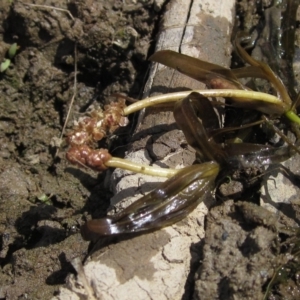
[196, 117]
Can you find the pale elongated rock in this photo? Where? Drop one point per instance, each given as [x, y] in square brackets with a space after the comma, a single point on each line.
[158, 265]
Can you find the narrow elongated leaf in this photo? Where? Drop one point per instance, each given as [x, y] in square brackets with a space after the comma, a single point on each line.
[165, 205]
[218, 77]
[195, 68]
[194, 126]
[246, 155]
[269, 74]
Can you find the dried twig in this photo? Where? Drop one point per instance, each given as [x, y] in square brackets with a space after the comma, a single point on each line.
[51, 7]
[76, 263]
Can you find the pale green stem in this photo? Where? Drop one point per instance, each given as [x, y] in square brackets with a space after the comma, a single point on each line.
[293, 117]
[172, 97]
[121, 163]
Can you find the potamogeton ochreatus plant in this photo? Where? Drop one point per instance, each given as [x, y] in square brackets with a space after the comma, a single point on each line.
[196, 117]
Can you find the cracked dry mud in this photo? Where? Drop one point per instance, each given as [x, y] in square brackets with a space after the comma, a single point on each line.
[44, 200]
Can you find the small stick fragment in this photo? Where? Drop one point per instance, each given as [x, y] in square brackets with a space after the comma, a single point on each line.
[77, 265]
[51, 7]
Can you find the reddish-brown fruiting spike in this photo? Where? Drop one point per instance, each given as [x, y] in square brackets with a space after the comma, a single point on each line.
[113, 115]
[100, 123]
[98, 135]
[77, 138]
[85, 156]
[77, 154]
[97, 159]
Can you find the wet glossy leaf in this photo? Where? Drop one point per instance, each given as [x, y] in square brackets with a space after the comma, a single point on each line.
[267, 71]
[195, 68]
[244, 155]
[165, 205]
[194, 126]
[218, 77]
